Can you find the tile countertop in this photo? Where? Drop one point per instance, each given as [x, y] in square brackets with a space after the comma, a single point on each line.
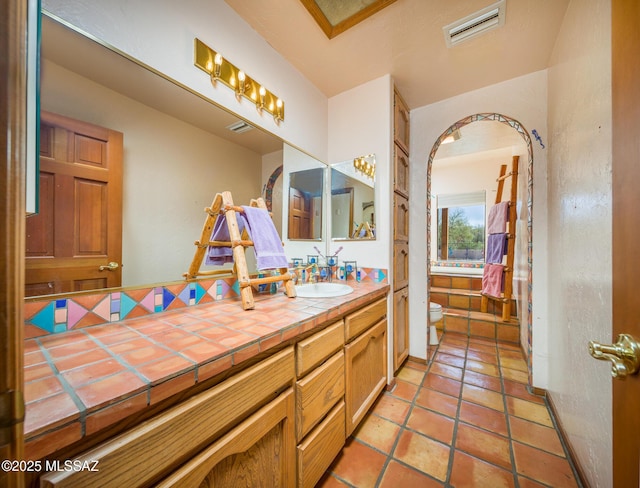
[81, 381]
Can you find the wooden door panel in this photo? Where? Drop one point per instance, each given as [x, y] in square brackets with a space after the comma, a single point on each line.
[626, 232]
[91, 214]
[40, 227]
[79, 226]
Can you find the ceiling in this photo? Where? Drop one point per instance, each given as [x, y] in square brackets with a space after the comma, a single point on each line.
[406, 40]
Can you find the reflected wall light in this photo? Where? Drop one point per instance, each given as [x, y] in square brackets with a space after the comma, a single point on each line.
[366, 165]
[220, 69]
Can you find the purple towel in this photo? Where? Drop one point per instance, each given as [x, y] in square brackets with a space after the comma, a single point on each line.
[497, 220]
[267, 244]
[220, 255]
[492, 279]
[496, 248]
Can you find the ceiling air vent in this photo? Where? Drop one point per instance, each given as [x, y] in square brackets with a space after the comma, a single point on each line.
[239, 127]
[473, 25]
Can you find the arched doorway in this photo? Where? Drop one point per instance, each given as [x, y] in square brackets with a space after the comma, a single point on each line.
[516, 125]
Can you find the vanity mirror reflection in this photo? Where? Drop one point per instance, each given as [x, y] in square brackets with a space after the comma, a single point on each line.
[353, 199]
[179, 150]
[306, 189]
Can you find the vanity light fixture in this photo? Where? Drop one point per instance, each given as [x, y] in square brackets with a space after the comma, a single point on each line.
[220, 69]
[366, 165]
[261, 94]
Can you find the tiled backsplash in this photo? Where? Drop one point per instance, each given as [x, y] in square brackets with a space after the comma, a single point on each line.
[55, 315]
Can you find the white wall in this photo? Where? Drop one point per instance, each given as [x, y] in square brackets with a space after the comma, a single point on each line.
[579, 207]
[161, 34]
[524, 99]
[360, 124]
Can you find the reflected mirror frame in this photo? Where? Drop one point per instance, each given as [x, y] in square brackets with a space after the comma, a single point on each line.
[357, 180]
[306, 186]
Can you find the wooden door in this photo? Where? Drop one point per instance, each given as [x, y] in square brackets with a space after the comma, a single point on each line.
[626, 231]
[12, 209]
[300, 215]
[79, 225]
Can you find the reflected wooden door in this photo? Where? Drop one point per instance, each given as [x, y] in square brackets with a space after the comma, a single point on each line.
[79, 225]
[626, 231]
[300, 215]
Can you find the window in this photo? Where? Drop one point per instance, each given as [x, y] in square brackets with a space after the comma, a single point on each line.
[461, 226]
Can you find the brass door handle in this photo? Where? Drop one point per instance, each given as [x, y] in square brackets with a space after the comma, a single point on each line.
[112, 266]
[624, 355]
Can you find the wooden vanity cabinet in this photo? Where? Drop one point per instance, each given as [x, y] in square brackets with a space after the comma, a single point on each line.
[365, 360]
[260, 452]
[320, 412]
[278, 423]
[191, 430]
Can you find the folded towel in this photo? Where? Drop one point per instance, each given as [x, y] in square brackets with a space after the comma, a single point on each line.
[496, 248]
[217, 255]
[497, 220]
[267, 244]
[492, 279]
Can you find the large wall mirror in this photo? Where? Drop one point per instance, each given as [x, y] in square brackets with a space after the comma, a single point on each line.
[353, 213]
[178, 150]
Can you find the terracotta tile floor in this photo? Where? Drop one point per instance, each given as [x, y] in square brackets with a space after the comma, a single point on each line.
[466, 419]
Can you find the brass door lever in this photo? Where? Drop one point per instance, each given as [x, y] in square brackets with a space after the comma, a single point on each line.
[112, 266]
[624, 355]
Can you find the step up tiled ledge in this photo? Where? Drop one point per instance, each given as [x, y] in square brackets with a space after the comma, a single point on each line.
[478, 324]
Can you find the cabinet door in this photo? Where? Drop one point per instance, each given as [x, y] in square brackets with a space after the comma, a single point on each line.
[401, 123]
[261, 451]
[400, 327]
[400, 218]
[366, 372]
[400, 265]
[400, 171]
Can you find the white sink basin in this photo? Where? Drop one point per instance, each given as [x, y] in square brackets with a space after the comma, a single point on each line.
[323, 290]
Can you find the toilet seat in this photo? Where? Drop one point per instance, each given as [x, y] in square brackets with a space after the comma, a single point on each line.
[435, 312]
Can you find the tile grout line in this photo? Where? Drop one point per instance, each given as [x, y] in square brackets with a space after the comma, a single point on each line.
[404, 428]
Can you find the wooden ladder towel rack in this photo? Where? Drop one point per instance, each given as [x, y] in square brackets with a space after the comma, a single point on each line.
[223, 204]
[507, 295]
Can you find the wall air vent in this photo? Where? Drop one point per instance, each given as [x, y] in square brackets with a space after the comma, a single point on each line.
[239, 127]
[473, 25]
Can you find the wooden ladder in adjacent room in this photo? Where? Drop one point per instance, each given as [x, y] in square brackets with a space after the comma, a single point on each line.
[511, 240]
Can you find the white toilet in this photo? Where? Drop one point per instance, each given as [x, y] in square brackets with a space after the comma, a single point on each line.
[435, 315]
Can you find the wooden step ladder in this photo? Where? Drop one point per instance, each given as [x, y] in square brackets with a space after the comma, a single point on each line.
[223, 204]
[511, 240]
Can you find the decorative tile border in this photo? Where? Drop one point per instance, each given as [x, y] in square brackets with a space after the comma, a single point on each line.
[453, 264]
[53, 316]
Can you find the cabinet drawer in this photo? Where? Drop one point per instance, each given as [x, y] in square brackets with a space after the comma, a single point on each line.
[361, 320]
[317, 392]
[146, 452]
[320, 448]
[312, 351]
